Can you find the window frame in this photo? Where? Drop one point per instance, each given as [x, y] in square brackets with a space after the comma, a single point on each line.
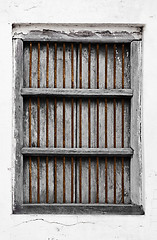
[95, 34]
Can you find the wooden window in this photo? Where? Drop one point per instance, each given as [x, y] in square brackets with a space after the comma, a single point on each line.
[77, 122]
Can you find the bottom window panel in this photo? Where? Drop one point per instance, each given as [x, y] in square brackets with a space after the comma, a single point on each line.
[76, 181]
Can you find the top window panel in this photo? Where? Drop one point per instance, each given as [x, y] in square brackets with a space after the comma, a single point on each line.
[47, 62]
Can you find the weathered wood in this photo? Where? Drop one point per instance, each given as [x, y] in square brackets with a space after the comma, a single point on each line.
[18, 122]
[113, 209]
[42, 180]
[102, 73]
[85, 36]
[127, 180]
[78, 151]
[26, 180]
[51, 179]
[111, 93]
[136, 123]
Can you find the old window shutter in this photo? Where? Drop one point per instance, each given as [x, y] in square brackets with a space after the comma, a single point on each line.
[76, 127]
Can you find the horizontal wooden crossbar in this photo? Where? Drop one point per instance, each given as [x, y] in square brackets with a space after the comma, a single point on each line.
[119, 152]
[83, 35]
[60, 92]
[119, 209]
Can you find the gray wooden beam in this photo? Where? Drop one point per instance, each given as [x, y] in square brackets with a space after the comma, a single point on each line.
[111, 93]
[113, 209]
[119, 152]
[82, 35]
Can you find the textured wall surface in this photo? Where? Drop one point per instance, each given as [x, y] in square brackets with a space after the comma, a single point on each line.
[44, 227]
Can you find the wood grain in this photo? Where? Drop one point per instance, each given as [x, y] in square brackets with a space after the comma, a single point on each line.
[94, 93]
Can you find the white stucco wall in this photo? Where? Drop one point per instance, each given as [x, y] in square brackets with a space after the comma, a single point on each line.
[48, 227]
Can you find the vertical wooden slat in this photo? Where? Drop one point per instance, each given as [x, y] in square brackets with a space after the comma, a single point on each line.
[97, 159]
[106, 56]
[106, 47]
[30, 180]
[47, 123]
[38, 129]
[55, 125]
[72, 178]
[122, 123]
[106, 123]
[72, 145]
[30, 85]
[55, 180]
[72, 120]
[89, 130]
[55, 66]
[30, 65]
[114, 103]
[64, 123]
[80, 127]
[106, 185]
